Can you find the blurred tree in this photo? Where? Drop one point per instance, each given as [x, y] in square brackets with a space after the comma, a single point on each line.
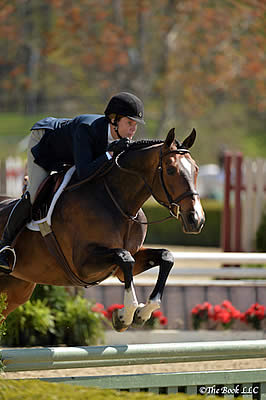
[184, 58]
[23, 25]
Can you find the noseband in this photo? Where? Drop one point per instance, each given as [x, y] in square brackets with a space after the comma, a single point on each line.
[172, 205]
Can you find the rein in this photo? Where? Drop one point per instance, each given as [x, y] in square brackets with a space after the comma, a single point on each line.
[130, 217]
[172, 203]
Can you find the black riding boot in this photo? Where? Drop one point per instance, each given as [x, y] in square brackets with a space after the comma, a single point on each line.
[18, 218]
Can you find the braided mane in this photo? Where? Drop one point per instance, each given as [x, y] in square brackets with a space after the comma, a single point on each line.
[139, 144]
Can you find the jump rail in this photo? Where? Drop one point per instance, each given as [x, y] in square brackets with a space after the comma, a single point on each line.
[247, 383]
[213, 272]
[223, 258]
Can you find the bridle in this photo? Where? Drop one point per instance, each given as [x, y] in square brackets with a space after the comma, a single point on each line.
[172, 205]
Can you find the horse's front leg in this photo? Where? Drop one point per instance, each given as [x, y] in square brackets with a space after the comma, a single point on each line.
[123, 318]
[17, 291]
[93, 265]
[146, 259]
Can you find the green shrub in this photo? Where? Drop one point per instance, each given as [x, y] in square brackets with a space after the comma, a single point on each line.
[29, 325]
[76, 324]
[170, 232]
[3, 306]
[261, 235]
[55, 296]
[54, 317]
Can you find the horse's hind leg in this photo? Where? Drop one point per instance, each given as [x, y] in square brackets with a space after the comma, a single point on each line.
[146, 259]
[17, 290]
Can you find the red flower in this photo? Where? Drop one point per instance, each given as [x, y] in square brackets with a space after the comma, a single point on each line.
[163, 320]
[157, 314]
[225, 317]
[227, 304]
[225, 313]
[254, 315]
[97, 307]
[195, 310]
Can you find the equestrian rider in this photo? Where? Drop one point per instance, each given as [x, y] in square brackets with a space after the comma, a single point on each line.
[86, 141]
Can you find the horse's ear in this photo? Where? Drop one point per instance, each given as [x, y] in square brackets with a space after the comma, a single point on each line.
[189, 141]
[170, 138]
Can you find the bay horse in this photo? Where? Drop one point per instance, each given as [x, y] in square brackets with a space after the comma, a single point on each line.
[101, 227]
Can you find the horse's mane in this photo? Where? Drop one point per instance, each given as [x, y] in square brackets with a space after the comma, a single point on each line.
[140, 144]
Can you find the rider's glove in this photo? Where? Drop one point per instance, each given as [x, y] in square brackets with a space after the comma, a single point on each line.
[117, 146]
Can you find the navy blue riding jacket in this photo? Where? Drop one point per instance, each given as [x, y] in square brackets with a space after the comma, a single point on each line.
[81, 141]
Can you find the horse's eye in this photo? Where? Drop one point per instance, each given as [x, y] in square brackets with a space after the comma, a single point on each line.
[171, 170]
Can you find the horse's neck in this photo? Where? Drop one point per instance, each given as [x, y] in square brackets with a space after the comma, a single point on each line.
[130, 188]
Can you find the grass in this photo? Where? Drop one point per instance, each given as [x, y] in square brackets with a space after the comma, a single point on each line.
[28, 390]
[13, 128]
[17, 125]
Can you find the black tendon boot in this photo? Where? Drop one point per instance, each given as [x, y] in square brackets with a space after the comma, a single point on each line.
[18, 218]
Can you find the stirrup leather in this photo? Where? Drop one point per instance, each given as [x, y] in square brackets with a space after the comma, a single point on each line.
[9, 248]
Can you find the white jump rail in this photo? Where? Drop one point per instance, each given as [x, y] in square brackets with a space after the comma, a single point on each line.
[223, 258]
[135, 354]
[250, 384]
[216, 257]
[228, 272]
[193, 268]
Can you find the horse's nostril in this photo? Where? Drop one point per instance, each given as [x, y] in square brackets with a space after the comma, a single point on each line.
[193, 218]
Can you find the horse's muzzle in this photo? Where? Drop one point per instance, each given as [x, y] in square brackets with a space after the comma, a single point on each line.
[192, 221]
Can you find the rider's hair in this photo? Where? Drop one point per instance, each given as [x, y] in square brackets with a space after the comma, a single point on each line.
[115, 116]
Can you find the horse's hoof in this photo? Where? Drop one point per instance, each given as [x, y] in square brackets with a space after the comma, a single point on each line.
[137, 320]
[118, 323]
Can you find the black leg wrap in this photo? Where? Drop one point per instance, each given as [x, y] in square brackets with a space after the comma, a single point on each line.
[166, 264]
[125, 261]
[123, 256]
[168, 257]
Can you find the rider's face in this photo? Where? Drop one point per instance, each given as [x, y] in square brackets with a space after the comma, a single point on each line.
[127, 127]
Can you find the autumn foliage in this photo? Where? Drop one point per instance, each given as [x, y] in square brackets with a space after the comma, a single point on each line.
[188, 54]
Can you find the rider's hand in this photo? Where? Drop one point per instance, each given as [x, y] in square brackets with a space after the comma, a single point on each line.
[117, 146]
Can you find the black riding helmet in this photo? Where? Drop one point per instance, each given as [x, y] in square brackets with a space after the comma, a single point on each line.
[128, 105]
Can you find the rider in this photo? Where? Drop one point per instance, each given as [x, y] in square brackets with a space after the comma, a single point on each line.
[86, 141]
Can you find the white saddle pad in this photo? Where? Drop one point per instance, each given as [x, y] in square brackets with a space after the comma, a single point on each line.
[34, 225]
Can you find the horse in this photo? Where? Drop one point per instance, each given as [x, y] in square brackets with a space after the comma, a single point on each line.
[100, 227]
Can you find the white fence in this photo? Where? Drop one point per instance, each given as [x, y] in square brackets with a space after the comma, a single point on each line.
[12, 175]
[253, 200]
[244, 201]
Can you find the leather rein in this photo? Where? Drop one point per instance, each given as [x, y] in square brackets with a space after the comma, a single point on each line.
[172, 205]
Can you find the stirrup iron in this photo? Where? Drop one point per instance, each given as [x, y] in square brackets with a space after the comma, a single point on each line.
[9, 248]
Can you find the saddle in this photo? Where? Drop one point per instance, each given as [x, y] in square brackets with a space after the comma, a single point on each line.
[45, 194]
[46, 198]
[43, 205]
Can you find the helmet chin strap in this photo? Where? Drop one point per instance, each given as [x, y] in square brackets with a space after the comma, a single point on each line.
[115, 124]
